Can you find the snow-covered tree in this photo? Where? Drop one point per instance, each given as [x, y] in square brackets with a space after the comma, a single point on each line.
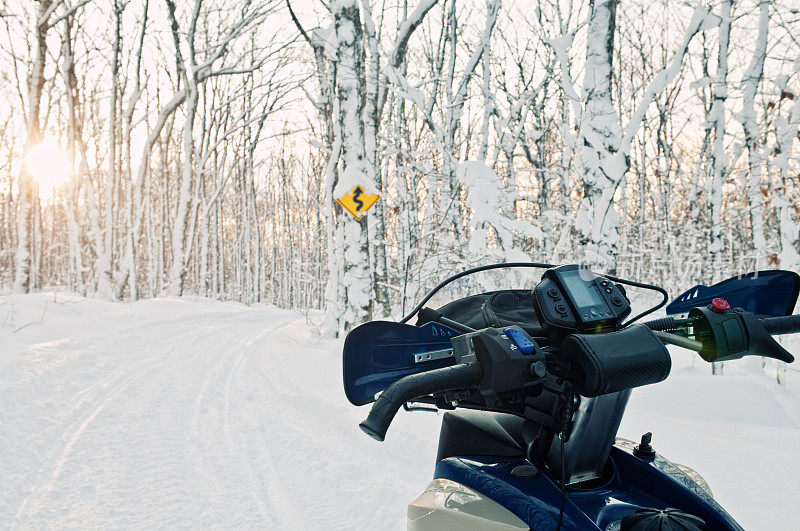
[604, 144]
[204, 153]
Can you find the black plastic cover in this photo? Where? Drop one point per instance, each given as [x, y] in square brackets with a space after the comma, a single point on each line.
[768, 293]
[594, 430]
[607, 363]
[662, 520]
[493, 309]
[481, 433]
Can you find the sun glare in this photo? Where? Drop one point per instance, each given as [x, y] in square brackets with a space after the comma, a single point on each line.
[48, 165]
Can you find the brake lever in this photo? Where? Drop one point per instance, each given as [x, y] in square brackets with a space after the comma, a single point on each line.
[419, 408]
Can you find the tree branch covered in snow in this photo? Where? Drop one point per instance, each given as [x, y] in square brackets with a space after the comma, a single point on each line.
[206, 143]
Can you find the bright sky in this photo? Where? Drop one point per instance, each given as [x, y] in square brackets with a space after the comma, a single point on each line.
[48, 165]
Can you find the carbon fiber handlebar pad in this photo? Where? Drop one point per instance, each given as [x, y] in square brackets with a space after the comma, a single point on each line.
[607, 363]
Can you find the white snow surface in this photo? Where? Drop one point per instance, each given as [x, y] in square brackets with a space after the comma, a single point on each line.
[191, 413]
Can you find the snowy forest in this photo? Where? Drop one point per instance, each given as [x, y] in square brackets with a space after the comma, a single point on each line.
[156, 147]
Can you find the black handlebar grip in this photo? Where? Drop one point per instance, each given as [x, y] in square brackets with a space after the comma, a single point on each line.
[782, 325]
[412, 386]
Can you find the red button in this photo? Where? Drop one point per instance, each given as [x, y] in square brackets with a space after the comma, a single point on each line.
[720, 305]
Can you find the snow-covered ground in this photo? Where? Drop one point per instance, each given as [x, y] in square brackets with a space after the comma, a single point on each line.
[192, 413]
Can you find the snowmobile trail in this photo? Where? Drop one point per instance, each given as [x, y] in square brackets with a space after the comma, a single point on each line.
[192, 417]
[92, 401]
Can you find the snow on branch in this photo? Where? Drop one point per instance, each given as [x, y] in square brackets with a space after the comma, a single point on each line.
[489, 210]
[406, 29]
[701, 20]
[400, 48]
[44, 19]
[404, 89]
[491, 18]
[560, 46]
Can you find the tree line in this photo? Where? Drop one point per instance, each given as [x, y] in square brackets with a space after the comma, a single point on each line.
[207, 142]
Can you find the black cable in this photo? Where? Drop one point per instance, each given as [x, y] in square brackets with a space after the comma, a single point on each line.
[447, 281]
[642, 285]
[429, 314]
[563, 486]
[665, 324]
[538, 265]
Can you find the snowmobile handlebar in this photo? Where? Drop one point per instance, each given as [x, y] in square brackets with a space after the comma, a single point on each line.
[731, 333]
[584, 348]
[601, 363]
[727, 334]
[451, 378]
[789, 324]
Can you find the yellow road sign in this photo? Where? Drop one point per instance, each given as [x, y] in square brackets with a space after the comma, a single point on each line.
[358, 202]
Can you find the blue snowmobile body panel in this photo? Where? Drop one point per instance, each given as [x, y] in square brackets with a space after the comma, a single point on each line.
[633, 484]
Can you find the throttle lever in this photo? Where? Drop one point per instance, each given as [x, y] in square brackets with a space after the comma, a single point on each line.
[731, 334]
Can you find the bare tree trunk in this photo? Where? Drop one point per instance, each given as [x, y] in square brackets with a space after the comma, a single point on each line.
[134, 187]
[719, 159]
[602, 165]
[75, 268]
[371, 122]
[786, 133]
[105, 262]
[25, 215]
[350, 247]
[177, 270]
[752, 135]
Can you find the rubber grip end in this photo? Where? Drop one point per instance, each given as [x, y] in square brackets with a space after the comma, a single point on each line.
[366, 427]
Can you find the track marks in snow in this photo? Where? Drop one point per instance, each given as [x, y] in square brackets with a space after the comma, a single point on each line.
[91, 401]
[231, 418]
[108, 396]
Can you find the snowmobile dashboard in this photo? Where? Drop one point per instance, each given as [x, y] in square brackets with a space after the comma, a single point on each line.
[571, 299]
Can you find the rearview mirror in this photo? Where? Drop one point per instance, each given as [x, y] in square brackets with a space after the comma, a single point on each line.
[378, 353]
[771, 293]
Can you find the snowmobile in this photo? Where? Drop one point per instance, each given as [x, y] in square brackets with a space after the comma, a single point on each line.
[534, 384]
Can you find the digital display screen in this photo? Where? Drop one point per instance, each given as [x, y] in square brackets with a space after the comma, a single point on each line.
[582, 292]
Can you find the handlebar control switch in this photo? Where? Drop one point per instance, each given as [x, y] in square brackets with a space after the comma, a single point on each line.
[729, 334]
[518, 337]
[505, 356]
[538, 369]
[719, 305]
